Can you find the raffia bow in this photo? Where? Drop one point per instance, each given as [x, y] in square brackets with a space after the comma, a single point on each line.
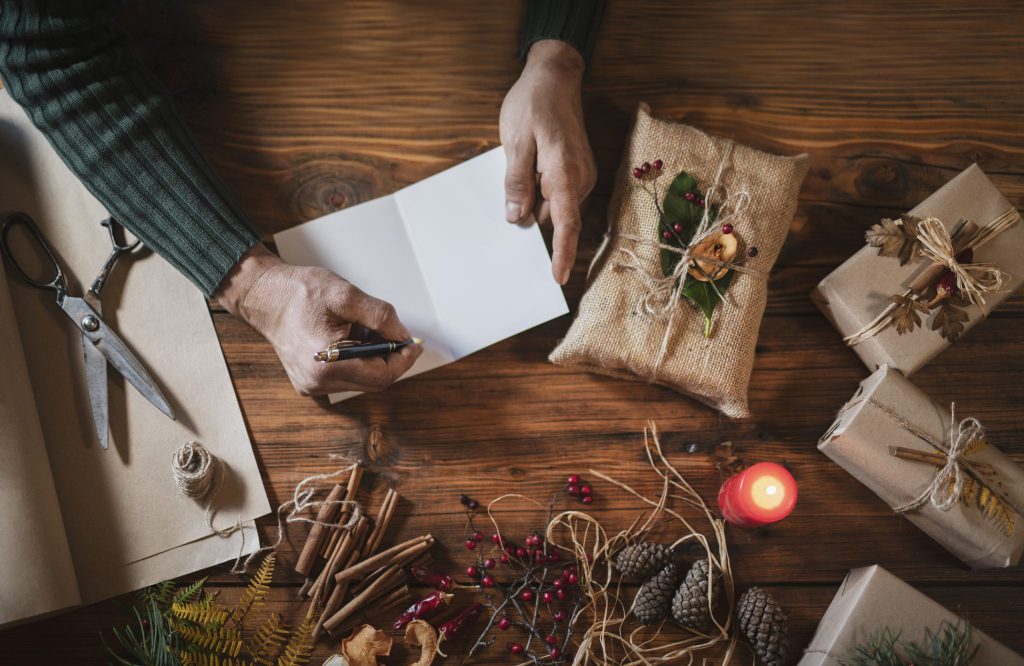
[973, 279]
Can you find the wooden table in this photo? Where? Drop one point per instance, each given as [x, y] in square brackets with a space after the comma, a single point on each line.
[308, 107]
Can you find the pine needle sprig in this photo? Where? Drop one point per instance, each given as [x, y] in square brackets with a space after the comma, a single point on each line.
[951, 645]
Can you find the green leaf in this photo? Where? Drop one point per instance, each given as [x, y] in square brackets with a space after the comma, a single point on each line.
[677, 210]
[706, 298]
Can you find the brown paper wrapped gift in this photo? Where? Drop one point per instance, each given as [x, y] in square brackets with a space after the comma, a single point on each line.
[617, 332]
[854, 294]
[872, 599]
[982, 526]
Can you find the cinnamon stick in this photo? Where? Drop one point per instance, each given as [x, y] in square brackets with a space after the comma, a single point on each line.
[337, 596]
[351, 490]
[392, 577]
[353, 540]
[387, 510]
[937, 459]
[319, 532]
[403, 551]
[926, 278]
[400, 597]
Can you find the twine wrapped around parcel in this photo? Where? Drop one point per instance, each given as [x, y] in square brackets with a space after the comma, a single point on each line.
[607, 632]
[614, 332]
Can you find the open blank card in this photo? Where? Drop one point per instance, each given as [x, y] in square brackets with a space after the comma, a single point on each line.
[440, 251]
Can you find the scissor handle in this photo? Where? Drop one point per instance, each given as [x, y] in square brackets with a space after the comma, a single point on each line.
[113, 227]
[118, 248]
[58, 282]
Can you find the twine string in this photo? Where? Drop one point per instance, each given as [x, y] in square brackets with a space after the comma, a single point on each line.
[199, 474]
[947, 485]
[663, 294]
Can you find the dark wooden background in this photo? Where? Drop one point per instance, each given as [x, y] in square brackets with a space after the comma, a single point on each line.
[307, 107]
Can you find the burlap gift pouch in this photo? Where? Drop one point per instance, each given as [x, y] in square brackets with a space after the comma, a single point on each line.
[678, 288]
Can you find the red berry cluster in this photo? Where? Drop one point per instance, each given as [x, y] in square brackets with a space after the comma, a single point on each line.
[648, 168]
[695, 199]
[537, 594]
[574, 484]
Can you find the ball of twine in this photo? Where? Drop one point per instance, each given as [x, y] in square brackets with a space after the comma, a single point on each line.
[194, 469]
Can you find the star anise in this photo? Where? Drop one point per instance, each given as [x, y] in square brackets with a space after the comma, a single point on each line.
[895, 238]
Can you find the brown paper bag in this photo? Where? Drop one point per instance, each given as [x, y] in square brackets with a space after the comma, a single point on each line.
[887, 411]
[872, 599]
[614, 335]
[856, 292]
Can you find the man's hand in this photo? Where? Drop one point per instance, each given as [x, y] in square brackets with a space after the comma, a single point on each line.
[301, 310]
[543, 133]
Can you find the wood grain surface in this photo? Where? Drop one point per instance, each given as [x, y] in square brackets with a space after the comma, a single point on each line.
[307, 107]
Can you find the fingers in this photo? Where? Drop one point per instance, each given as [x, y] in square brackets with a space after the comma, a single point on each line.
[367, 374]
[520, 182]
[352, 305]
[565, 216]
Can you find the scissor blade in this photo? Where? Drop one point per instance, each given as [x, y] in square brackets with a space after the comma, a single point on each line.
[96, 375]
[116, 352]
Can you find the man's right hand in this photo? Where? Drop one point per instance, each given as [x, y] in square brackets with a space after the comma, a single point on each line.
[300, 310]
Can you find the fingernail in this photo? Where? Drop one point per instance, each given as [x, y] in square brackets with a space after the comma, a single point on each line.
[565, 276]
[513, 211]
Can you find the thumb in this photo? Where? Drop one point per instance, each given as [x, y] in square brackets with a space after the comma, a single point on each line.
[520, 184]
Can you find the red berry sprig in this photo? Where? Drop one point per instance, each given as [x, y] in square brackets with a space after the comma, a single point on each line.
[648, 169]
[574, 484]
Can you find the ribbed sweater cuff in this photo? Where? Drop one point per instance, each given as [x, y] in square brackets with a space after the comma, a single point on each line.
[575, 22]
[120, 134]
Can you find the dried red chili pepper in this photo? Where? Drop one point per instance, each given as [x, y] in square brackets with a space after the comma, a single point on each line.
[426, 607]
[438, 581]
[453, 627]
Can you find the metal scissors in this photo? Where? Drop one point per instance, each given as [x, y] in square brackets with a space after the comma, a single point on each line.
[100, 344]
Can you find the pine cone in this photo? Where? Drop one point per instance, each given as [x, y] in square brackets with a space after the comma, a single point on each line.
[762, 621]
[653, 599]
[643, 559]
[690, 605]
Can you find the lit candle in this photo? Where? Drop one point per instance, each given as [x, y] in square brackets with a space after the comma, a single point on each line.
[762, 494]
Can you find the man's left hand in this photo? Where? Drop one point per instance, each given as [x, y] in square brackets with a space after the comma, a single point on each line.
[543, 134]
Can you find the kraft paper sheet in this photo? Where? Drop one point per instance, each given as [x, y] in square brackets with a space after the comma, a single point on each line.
[125, 522]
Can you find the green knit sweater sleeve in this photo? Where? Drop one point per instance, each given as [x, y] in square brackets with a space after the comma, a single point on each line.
[106, 116]
[575, 22]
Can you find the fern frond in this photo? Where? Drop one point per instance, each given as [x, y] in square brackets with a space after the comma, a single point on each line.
[199, 613]
[224, 640]
[189, 592]
[268, 639]
[299, 649]
[203, 659]
[256, 591]
[160, 594]
[994, 508]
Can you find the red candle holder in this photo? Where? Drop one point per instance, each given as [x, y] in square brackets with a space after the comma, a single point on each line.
[762, 494]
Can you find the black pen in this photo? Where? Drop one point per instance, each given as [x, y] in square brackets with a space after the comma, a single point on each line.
[346, 349]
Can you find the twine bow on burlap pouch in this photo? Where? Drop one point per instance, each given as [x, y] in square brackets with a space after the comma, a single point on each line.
[638, 319]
